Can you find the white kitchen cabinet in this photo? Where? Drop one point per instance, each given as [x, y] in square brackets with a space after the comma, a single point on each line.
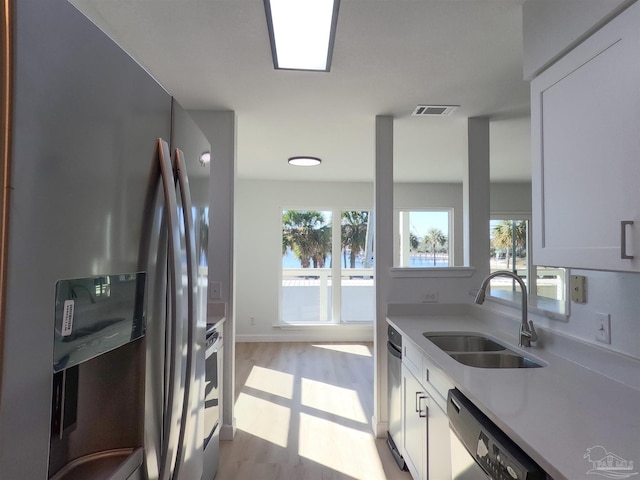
[414, 424]
[585, 119]
[438, 442]
[425, 425]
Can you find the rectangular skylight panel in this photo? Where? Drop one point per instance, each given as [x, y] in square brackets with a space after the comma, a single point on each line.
[302, 33]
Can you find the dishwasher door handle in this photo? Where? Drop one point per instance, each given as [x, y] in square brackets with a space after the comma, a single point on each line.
[393, 350]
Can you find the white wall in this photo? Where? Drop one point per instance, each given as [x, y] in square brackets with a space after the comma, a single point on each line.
[220, 129]
[258, 241]
[510, 198]
[259, 206]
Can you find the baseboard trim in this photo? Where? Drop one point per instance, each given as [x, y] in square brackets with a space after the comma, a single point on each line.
[228, 432]
[379, 428]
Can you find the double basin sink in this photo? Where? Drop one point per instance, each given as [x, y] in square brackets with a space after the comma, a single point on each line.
[476, 350]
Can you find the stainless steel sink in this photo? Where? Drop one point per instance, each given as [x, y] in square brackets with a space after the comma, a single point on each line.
[452, 342]
[494, 360]
[476, 350]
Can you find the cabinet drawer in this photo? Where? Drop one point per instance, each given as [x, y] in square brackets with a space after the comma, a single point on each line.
[438, 381]
[433, 379]
[412, 358]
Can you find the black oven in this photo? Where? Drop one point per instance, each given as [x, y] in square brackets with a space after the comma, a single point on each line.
[212, 399]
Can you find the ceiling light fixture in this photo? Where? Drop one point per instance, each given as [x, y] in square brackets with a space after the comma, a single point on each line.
[302, 33]
[205, 158]
[304, 161]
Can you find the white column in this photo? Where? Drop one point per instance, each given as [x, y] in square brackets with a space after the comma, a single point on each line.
[220, 129]
[336, 267]
[476, 188]
[383, 211]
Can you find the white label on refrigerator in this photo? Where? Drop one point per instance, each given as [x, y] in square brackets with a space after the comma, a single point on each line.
[67, 318]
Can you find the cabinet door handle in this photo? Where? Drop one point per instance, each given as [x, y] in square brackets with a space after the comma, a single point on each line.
[623, 239]
[419, 397]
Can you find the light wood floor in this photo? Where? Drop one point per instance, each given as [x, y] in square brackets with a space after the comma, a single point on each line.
[303, 411]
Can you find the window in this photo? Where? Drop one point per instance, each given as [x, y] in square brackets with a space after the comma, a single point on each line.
[508, 247]
[327, 267]
[424, 239]
[358, 296]
[509, 244]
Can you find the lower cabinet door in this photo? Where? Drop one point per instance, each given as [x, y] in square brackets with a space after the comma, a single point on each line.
[438, 443]
[414, 425]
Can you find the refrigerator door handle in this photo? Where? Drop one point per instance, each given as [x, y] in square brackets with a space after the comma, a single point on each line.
[182, 184]
[162, 174]
[173, 408]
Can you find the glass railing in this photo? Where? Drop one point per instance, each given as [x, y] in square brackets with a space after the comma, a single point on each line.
[307, 296]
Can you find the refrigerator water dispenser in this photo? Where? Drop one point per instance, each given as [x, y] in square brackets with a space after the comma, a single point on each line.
[97, 407]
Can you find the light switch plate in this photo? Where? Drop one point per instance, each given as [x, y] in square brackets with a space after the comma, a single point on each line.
[578, 290]
[603, 327]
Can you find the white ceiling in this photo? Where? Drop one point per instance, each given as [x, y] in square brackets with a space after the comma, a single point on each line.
[388, 57]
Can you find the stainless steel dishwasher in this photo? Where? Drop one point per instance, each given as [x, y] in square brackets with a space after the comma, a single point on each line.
[394, 398]
[480, 450]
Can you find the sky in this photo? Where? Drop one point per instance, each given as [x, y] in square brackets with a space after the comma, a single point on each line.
[422, 222]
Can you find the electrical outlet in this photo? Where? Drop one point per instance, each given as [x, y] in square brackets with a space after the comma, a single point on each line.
[603, 327]
[430, 297]
[252, 321]
[215, 290]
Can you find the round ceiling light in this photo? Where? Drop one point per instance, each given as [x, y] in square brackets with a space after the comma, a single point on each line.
[304, 161]
[205, 158]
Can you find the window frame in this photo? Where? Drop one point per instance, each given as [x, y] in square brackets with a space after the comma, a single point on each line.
[335, 271]
[549, 307]
[400, 243]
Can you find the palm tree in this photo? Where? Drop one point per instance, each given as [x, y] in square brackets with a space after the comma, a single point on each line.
[308, 236]
[414, 242]
[354, 235]
[320, 241]
[502, 237]
[434, 239]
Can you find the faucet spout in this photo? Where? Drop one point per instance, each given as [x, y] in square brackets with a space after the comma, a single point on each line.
[528, 333]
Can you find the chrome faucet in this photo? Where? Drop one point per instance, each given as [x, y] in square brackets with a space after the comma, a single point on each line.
[527, 331]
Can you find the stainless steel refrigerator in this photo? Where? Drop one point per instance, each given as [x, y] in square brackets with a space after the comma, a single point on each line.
[80, 126]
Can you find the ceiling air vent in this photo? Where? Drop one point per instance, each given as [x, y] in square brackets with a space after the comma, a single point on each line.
[434, 110]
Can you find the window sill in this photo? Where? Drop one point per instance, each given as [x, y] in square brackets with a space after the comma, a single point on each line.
[435, 272]
[298, 326]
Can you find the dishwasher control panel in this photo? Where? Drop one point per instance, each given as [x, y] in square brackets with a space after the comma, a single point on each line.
[490, 447]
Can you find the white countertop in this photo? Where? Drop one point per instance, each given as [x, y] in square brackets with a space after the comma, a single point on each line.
[555, 413]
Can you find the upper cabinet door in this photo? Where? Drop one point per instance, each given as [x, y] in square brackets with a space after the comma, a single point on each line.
[585, 117]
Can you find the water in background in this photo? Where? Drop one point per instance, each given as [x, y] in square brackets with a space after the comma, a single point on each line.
[289, 260]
